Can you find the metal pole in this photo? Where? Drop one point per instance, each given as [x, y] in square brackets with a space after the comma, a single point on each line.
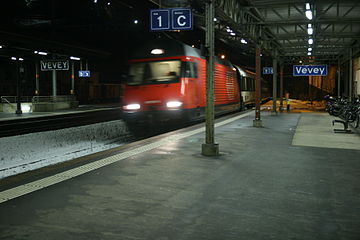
[338, 79]
[18, 87]
[72, 90]
[281, 87]
[350, 75]
[274, 112]
[54, 83]
[257, 122]
[210, 148]
[37, 76]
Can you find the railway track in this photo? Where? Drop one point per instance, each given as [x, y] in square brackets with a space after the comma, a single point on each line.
[47, 123]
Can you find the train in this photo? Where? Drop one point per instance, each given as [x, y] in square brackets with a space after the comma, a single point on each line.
[167, 81]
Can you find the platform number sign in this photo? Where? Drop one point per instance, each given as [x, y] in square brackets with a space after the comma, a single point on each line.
[160, 19]
[268, 70]
[181, 19]
[171, 19]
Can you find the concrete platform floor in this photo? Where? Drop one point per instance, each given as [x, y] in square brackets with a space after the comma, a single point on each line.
[260, 187]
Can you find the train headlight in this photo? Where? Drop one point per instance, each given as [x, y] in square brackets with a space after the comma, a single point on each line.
[173, 104]
[134, 106]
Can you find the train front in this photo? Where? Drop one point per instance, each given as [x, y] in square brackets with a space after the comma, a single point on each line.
[154, 91]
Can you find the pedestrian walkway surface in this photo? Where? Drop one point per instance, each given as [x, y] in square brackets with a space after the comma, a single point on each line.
[264, 185]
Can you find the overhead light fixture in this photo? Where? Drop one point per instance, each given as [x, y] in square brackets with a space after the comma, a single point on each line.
[310, 31]
[13, 58]
[309, 49]
[75, 58]
[1, 46]
[21, 59]
[307, 6]
[310, 41]
[43, 53]
[300, 61]
[157, 51]
[309, 53]
[136, 21]
[222, 56]
[309, 14]
[243, 41]
[232, 34]
[215, 19]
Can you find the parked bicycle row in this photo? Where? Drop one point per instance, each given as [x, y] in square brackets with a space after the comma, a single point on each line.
[348, 111]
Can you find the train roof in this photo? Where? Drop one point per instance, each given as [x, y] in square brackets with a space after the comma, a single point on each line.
[244, 72]
[169, 47]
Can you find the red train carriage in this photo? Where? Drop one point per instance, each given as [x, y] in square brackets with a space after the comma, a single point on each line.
[167, 80]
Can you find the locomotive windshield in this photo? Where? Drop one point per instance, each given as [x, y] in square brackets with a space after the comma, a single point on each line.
[154, 72]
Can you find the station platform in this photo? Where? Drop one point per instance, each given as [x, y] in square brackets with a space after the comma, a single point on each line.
[6, 116]
[293, 178]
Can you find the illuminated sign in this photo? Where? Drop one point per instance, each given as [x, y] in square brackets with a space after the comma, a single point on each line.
[84, 73]
[171, 19]
[310, 70]
[268, 70]
[50, 65]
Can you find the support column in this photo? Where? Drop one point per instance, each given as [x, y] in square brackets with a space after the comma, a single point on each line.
[72, 90]
[350, 76]
[210, 148]
[281, 87]
[338, 79]
[257, 122]
[274, 111]
[37, 76]
[54, 89]
[18, 88]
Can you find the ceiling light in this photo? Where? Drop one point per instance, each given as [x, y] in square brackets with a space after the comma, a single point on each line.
[309, 53]
[13, 58]
[232, 34]
[157, 51]
[307, 6]
[74, 58]
[300, 61]
[308, 14]
[310, 41]
[215, 19]
[310, 31]
[1, 46]
[136, 21]
[21, 59]
[309, 49]
[222, 56]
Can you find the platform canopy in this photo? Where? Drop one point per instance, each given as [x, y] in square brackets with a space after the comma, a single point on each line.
[310, 31]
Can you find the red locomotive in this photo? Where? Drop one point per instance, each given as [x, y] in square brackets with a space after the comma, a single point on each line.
[167, 81]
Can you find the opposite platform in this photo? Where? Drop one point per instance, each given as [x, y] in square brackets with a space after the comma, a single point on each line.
[260, 187]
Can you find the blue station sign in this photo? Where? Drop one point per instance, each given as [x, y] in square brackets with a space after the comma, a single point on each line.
[159, 19]
[268, 70]
[84, 73]
[181, 19]
[310, 70]
[168, 19]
